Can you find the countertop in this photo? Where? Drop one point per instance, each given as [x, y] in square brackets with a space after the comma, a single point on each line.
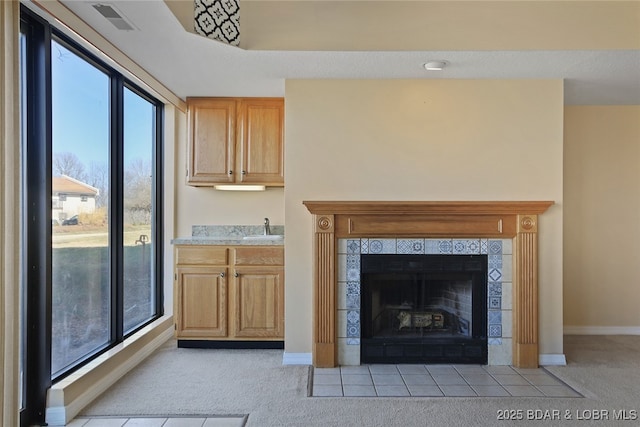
[232, 235]
[227, 241]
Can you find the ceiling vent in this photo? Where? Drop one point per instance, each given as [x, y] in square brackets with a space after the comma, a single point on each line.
[114, 16]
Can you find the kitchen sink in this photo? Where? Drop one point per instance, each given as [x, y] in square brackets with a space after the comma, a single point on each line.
[265, 237]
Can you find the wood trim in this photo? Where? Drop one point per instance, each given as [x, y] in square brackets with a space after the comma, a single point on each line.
[431, 208]
[525, 310]
[9, 212]
[436, 225]
[324, 347]
[333, 220]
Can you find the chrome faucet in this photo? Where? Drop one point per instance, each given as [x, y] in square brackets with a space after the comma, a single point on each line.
[267, 229]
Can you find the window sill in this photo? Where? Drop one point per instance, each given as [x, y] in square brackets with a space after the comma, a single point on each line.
[66, 398]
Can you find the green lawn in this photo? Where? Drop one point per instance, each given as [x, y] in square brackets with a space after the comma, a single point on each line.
[81, 295]
[84, 236]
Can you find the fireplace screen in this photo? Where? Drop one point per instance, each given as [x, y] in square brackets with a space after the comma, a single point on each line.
[424, 308]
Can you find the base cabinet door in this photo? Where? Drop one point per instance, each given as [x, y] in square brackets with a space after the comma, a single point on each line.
[202, 302]
[259, 302]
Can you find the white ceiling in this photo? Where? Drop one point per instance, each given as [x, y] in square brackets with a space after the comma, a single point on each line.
[190, 65]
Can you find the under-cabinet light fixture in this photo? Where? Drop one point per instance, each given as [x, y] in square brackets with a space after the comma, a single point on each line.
[231, 187]
[435, 65]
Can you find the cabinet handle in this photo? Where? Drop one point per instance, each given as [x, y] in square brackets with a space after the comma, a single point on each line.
[230, 172]
[235, 274]
[222, 274]
[244, 172]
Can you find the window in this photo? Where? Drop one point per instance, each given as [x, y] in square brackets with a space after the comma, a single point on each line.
[21, 251]
[138, 208]
[90, 278]
[81, 277]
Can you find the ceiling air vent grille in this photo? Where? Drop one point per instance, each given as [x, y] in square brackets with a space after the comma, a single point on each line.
[113, 16]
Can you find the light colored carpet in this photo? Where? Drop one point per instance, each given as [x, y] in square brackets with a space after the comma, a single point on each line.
[605, 369]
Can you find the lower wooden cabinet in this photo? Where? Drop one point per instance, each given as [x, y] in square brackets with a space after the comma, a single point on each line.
[202, 302]
[259, 310]
[229, 293]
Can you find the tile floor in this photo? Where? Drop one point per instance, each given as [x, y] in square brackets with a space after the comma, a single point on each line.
[384, 381]
[174, 421]
[437, 381]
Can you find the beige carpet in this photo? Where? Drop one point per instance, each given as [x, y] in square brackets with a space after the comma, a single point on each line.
[605, 369]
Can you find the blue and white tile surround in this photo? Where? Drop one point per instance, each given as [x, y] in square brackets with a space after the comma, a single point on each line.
[499, 292]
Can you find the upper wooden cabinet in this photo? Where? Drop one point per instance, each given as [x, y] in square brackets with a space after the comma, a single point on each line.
[236, 140]
[212, 140]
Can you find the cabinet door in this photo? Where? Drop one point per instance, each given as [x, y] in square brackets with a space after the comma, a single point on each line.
[261, 123]
[212, 136]
[201, 294]
[259, 302]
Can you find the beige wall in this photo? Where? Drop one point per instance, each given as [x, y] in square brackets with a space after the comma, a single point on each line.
[422, 140]
[437, 25]
[206, 206]
[602, 217]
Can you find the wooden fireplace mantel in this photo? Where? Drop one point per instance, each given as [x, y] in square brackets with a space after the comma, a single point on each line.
[451, 208]
[500, 219]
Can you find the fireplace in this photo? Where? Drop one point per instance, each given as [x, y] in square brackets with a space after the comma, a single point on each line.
[423, 309]
[439, 225]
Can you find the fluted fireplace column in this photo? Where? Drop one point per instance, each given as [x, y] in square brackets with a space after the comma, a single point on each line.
[325, 351]
[525, 320]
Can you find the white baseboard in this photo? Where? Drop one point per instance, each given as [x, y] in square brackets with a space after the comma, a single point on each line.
[56, 416]
[104, 372]
[552, 359]
[602, 330]
[297, 359]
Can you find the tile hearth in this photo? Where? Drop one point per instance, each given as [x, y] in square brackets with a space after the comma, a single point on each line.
[437, 381]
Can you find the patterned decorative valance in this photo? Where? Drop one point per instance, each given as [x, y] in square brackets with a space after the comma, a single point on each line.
[218, 20]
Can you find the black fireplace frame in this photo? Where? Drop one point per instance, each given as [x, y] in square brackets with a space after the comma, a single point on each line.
[427, 349]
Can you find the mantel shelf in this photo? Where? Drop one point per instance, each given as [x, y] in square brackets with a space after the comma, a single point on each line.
[429, 207]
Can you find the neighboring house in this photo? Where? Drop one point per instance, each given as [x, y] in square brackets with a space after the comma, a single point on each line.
[70, 197]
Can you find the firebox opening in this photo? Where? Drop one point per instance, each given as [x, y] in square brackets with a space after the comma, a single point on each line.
[424, 309]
